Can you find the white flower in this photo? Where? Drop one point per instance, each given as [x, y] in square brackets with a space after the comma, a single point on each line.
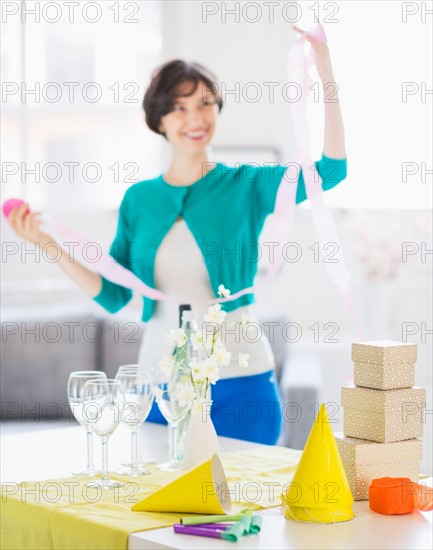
[157, 392]
[202, 340]
[215, 314]
[243, 360]
[211, 370]
[197, 368]
[166, 366]
[197, 340]
[177, 336]
[185, 394]
[222, 356]
[223, 291]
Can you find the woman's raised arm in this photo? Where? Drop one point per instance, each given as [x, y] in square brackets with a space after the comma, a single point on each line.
[334, 146]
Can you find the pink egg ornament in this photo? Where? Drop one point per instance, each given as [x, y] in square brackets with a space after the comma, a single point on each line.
[10, 204]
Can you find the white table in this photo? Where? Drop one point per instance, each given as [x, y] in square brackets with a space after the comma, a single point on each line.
[47, 453]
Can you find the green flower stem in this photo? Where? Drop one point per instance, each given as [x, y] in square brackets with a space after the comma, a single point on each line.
[180, 360]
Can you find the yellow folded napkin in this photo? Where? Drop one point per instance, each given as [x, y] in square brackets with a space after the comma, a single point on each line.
[65, 514]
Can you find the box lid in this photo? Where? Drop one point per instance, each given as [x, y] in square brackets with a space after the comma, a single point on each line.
[367, 399]
[384, 352]
[371, 452]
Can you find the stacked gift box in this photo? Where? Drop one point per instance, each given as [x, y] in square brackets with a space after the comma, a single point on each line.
[383, 415]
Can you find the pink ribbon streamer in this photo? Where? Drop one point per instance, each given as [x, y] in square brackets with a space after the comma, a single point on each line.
[106, 265]
[325, 228]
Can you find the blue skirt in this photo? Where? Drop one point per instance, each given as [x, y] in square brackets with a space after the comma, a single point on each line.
[247, 407]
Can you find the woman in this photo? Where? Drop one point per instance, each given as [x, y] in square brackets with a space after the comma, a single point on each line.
[185, 233]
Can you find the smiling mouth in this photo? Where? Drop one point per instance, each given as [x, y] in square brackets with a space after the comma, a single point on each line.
[196, 136]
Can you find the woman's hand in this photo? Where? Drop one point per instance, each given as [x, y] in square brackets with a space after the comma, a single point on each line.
[323, 59]
[27, 225]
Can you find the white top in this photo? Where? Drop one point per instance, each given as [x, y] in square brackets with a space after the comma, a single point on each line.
[181, 272]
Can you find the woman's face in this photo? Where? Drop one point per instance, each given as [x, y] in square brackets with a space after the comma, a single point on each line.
[189, 127]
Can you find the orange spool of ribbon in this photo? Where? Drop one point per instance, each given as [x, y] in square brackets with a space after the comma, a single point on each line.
[399, 495]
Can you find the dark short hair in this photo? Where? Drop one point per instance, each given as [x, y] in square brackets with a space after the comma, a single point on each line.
[161, 95]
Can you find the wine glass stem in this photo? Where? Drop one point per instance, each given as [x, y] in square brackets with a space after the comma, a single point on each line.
[89, 448]
[174, 430]
[104, 441]
[134, 445]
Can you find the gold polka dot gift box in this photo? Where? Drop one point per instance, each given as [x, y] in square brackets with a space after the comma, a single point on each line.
[383, 416]
[366, 460]
[384, 365]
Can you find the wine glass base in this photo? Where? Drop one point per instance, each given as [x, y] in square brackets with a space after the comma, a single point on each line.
[92, 471]
[105, 484]
[136, 470]
[141, 463]
[171, 466]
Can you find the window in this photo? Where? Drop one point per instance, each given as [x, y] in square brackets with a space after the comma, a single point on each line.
[73, 115]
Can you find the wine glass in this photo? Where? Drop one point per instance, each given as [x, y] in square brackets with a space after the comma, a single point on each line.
[139, 396]
[174, 394]
[77, 381]
[151, 372]
[103, 402]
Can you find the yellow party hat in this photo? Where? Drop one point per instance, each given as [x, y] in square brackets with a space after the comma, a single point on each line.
[201, 490]
[319, 491]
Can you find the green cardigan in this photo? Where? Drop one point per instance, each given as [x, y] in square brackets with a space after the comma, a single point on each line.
[225, 212]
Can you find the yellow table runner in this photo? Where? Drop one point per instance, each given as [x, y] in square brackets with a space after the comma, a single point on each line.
[65, 514]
